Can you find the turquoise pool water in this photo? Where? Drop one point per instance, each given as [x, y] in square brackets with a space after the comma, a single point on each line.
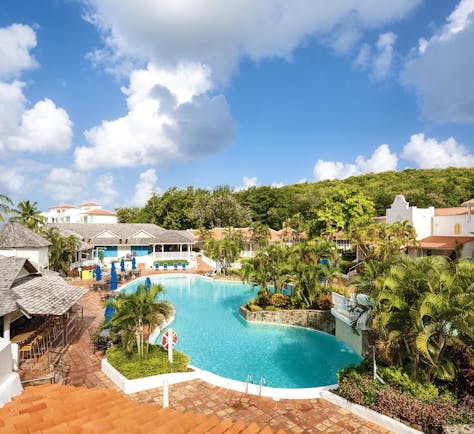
[211, 331]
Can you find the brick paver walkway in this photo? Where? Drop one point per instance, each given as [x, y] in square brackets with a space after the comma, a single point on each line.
[301, 416]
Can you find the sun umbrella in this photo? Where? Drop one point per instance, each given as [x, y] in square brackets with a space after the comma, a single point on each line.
[109, 313]
[147, 283]
[98, 273]
[122, 265]
[134, 263]
[113, 278]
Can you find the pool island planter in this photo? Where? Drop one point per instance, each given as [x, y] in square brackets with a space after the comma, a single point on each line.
[140, 384]
[321, 320]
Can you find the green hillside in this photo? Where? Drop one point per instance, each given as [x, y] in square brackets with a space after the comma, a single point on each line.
[340, 201]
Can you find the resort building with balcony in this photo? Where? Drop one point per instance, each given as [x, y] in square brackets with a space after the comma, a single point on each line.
[87, 212]
[146, 242]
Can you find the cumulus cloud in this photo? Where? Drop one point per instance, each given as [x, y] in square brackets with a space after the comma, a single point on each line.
[11, 182]
[66, 185]
[441, 71]
[16, 41]
[380, 161]
[145, 187]
[41, 128]
[44, 127]
[169, 33]
[429, 153]
[377, 61]
[170, 118]
[106, 189]
[247, 182]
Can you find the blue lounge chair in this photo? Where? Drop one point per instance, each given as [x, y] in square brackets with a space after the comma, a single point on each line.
[157, 266]
[183, 266]
[175, 265]
[165, 266]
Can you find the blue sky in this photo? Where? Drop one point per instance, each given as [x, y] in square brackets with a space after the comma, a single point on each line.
[110, 100]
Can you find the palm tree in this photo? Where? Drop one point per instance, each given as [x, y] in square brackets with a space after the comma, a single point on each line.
[270, 266]
[422, 311]
[62, 251]
[28, 214]
[137, 314]
[5, 203]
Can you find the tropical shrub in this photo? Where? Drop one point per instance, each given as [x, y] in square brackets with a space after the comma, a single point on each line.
[357, 385]
[155, 362]
[279, 300]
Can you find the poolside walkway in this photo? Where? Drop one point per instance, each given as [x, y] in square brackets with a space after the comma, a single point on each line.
[301, 416]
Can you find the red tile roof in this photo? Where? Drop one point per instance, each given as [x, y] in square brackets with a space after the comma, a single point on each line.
[444, 243]
[89, 204]
[62, 206]
[67, 409]
[450, 211]
[468, 202]
[99, 212]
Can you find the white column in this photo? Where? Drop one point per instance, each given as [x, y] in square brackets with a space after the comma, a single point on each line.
[189, 254]
[6, 326]
[180, 251]
[162, 252]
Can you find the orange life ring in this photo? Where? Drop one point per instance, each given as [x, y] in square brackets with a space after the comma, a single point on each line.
[174, 338]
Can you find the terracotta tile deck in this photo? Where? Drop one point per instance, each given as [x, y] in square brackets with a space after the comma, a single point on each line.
[300, 416]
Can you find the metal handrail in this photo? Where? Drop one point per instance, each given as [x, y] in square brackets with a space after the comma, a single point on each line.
[249, 379]
[263, 382]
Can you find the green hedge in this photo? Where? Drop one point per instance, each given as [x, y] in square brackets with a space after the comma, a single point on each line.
[153, 363]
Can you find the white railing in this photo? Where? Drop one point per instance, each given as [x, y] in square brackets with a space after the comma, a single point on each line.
[164, 256]
[84, 263]
[208, 261]
[345, 309]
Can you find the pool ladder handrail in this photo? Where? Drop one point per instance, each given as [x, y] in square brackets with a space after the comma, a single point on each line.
[263, 382]
[249, 380]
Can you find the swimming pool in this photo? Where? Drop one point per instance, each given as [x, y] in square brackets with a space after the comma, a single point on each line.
[211, 331]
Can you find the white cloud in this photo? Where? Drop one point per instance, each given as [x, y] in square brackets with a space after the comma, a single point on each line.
[441, 71]
[41, 128]
[66, 185]
[145, 187]
[429, 153]
[277, 184]
[106, 190]
[16, 41]
[168, 33]
[170, 118]
[11, 182]
[383, 59]
[247, 183]
[380, 161]
[378, 61]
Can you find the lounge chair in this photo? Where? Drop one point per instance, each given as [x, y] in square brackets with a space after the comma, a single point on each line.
[183, 266]
[157, 266]
[212, 273]
[175, 265]
[165, 266]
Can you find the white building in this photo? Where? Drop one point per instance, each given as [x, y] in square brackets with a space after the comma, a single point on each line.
[19, 241]
[441, 231]
[87, 212]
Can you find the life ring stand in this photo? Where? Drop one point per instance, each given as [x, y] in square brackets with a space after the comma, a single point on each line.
[174, 339]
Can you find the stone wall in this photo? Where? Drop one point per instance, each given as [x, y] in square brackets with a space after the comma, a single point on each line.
[314, 319]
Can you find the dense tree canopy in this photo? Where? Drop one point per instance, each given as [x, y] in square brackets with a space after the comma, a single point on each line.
[324, 207]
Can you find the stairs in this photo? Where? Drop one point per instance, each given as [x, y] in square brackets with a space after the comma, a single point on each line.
[51, 409]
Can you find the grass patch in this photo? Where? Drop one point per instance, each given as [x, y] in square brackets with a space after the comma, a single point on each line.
[153, 363]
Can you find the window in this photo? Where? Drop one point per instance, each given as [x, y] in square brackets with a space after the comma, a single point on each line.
[457, 229]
